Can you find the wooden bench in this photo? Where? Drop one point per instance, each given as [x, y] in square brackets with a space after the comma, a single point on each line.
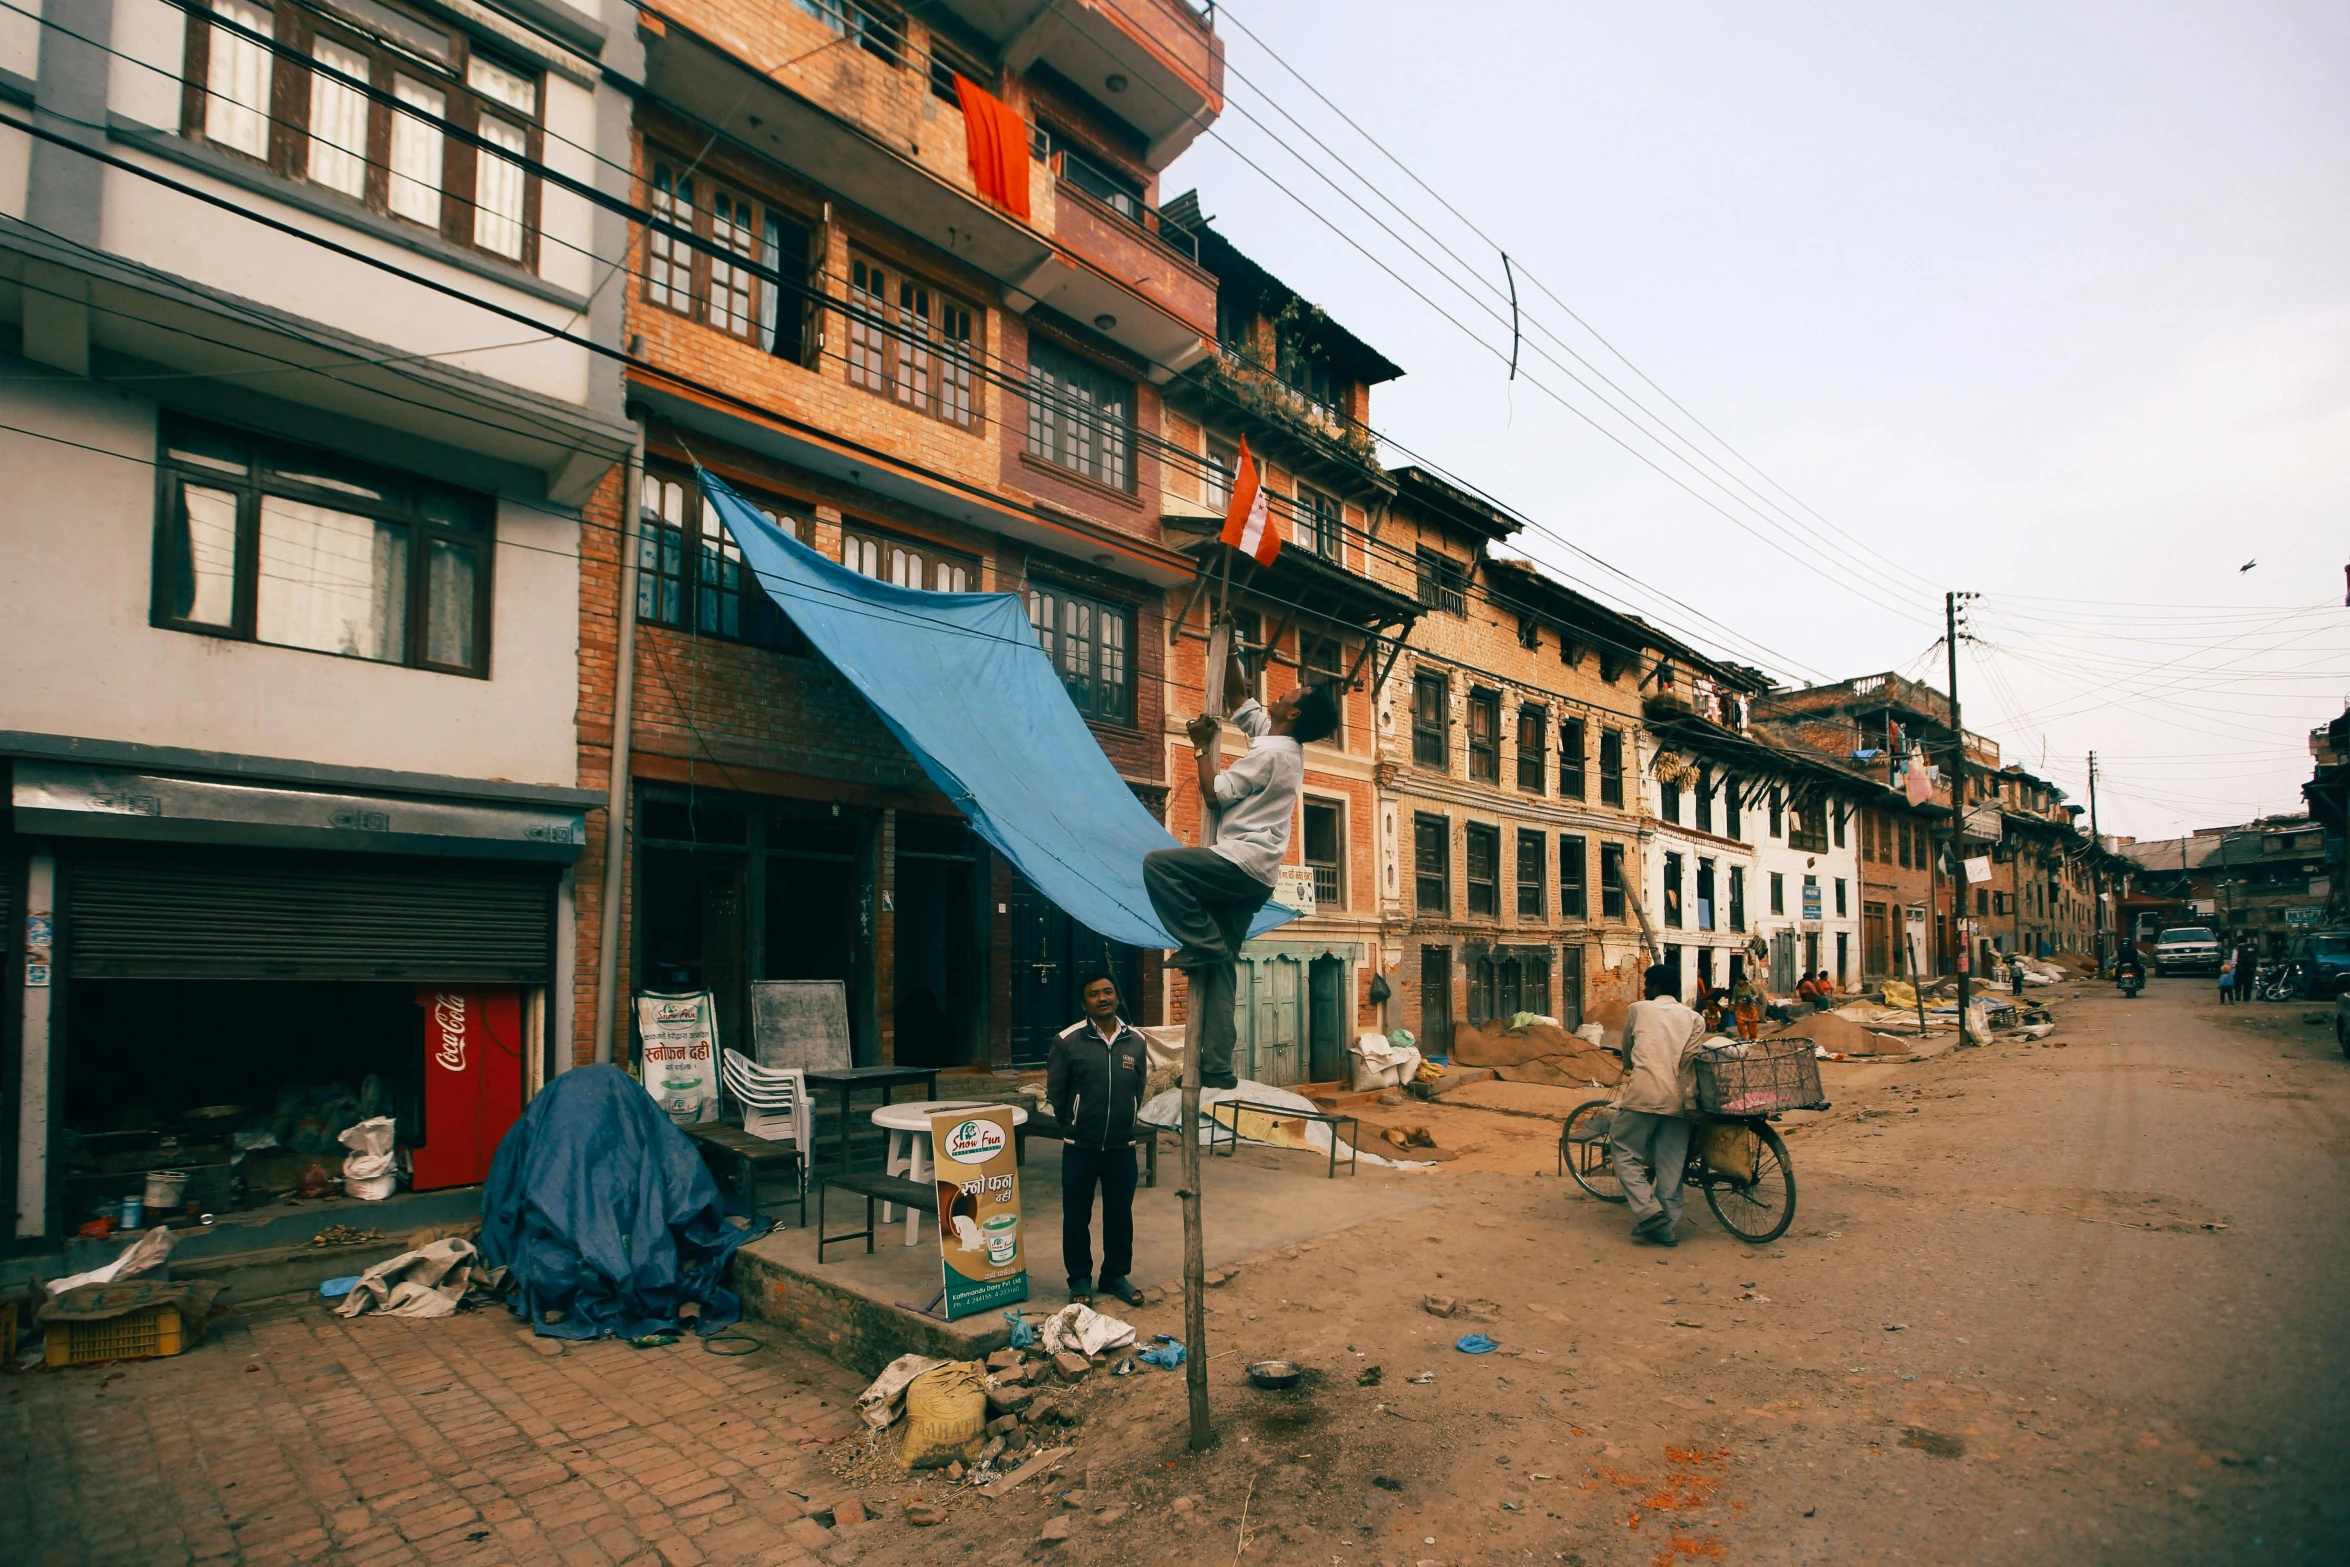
[874, 1187]
[737, 1160]
[1043, 1123]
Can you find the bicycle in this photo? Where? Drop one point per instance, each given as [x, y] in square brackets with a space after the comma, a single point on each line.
[1746, 1175]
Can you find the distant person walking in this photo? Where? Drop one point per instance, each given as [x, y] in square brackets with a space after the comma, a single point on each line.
[1746, 1005]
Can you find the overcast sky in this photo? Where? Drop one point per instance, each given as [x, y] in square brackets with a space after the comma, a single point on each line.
[2045, 302]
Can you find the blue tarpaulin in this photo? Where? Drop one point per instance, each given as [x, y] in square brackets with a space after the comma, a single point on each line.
[605, 1214]
[962, 681]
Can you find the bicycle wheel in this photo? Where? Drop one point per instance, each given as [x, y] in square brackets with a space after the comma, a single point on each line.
[1583, 1152]
[1757, 1211]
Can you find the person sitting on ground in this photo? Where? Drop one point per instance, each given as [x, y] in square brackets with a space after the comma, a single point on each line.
[1655, 1113]
[1205, 897]
[1094, 1082]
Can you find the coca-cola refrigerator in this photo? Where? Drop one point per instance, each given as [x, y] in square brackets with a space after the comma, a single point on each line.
[472, 1082]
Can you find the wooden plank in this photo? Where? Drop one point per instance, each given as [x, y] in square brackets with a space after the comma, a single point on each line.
[1041, 1461]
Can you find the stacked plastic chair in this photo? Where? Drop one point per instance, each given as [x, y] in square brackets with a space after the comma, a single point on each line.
[774, 1100]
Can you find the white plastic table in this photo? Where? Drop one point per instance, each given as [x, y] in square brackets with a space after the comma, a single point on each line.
[908, 1126]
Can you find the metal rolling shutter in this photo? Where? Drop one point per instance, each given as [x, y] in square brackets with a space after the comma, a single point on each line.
[253, 914]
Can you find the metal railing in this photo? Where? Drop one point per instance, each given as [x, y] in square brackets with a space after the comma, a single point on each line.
[1073, 168]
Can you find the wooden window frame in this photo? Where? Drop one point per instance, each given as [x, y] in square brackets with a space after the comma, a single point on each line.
[269, 468]
[1057, 417]
[681, 552]
[1336, 866]
[1485, 904]
[1670, 916]
[907, 340]
[1089, 690]
[1485, 751]
[1574, 876]
[1431, 846]
[1533, 891]
[1611, 881]
[1533, 748]
[1611, 768]
[1444, 582]
[1574, 758]
[1432, 741]
[773, 289]
[291, 52]
[895, 559]
[1321, 520]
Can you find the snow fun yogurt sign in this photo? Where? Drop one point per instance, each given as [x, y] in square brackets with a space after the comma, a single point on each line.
[979, 1232]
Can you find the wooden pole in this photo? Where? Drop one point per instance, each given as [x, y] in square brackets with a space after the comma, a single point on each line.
[1195, 1262]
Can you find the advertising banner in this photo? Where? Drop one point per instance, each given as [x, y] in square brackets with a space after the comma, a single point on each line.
[982, 1252]
[678, 1035]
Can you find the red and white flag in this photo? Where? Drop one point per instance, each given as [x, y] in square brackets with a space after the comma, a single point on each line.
[1248, 525]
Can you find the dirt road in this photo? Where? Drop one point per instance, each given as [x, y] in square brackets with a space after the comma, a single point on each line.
[2072, 1303]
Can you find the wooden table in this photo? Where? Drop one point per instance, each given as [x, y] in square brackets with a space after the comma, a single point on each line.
[745, 1158]
[848, 1079]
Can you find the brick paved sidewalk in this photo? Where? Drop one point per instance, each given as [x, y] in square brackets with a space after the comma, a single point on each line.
[384, 1441]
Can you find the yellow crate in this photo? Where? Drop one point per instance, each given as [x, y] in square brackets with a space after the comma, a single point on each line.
[135, 1335]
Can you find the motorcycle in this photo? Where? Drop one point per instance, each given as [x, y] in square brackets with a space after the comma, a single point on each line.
[2130, 981]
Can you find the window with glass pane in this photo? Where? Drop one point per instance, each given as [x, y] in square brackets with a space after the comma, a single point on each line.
[1080, 416]
[497, 189]
[784, 312]
[1429, 721]
[270, 543]
[691, 573]
[417, 151]
[364, 107]
[1705, 895]
[338, 119]
[237, 78]
[1573, 741]
[1737, 897]
[1611, 767]
[733, 233]
[1223, 466]
[1432, 864]
[1533, 748]
[1573, 867]
[1322, 851]
[669, 260]
[1321, 522]
[1484, 737]
[1611, 881]
[909, 342]
[1533, 861]
[1481, 852]
[1087, 640]
[906, 564]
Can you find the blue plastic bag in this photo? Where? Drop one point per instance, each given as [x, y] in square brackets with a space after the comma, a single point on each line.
[1475, 1344]
[1022, 1334]
[336, 1289]
[1164, 1352]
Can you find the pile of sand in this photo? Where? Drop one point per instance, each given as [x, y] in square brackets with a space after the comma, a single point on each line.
[1537, 1053]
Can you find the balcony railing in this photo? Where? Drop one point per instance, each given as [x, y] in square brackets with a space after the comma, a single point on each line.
[1074, 168]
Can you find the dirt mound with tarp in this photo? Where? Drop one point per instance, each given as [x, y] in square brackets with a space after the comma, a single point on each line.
[1536, 1053]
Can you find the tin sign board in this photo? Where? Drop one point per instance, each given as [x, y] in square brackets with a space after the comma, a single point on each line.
[2305, 916]
[982, 1253]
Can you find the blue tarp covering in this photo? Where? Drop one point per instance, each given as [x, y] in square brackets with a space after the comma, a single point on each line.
[606, 1214]
[962, 682]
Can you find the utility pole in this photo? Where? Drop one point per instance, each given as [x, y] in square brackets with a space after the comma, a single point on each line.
[1958, 879]
[2097, 861]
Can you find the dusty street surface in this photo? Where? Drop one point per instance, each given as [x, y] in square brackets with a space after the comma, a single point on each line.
[2070, 1303]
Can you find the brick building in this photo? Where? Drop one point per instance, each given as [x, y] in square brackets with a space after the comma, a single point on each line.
[946, 383]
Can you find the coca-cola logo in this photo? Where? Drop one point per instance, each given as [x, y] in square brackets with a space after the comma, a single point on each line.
[448, 1015]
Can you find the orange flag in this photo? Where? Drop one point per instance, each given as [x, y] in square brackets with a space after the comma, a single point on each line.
[1248, 524]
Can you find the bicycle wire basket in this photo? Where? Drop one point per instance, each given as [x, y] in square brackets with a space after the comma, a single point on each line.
[1770, 1076]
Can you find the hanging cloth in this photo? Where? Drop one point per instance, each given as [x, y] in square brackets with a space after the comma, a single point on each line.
[964, 684]
[998, 141]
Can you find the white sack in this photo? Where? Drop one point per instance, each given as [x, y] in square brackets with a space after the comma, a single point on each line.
[1378, 1062]
[431, 1281]
[1084, 1330]
[142, 1256]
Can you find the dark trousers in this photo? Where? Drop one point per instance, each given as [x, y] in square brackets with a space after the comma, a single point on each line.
[1081, 1169]
[1205, 902]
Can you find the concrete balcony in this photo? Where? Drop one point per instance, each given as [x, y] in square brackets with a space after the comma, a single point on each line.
[1157, 64]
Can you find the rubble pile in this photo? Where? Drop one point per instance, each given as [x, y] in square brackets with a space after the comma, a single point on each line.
[1537, 1052]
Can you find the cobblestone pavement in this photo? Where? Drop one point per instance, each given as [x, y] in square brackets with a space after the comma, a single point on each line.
[290, 1435]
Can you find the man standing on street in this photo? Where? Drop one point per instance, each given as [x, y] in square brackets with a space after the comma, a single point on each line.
[1649, 1132]
[1206, 897]
[1094, 1082]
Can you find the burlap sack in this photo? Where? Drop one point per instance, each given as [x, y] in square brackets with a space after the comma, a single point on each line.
[946, 1416]
[1730, 1149]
